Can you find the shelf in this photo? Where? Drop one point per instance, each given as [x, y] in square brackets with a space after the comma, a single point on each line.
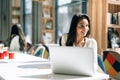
[48, 37]
[15, 20]
[47, 6]
[114, 2]
[47, 30]
[16, 3]
[16, 11]
[48, 21]
[16, 7]
[47, 18]
[39, 0]
[113, 19]
[47, 12]
[113, 13]
[16, 16]
[113, 26]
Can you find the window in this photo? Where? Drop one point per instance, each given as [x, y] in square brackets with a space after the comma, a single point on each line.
[65, 10]
[28, 19]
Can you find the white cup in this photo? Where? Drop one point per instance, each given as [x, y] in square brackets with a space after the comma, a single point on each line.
[1, 46]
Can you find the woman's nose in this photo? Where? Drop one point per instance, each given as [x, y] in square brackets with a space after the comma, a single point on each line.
[84, 27]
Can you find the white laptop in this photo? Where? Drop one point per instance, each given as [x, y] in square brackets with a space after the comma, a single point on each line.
[73, 60]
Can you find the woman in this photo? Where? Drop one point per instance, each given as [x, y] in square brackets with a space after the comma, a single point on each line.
[17, 38]
[79, 33]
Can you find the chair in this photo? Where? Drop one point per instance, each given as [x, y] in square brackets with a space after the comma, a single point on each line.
[46, 52]
[111, 61]
[42, 51]
[39, 51]
[100, 63]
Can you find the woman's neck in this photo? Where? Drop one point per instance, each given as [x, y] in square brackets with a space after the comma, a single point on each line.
[80, 41]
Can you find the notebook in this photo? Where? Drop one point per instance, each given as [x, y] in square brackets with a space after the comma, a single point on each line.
[73, 60]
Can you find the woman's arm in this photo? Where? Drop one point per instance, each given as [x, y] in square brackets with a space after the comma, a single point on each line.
[63, 40]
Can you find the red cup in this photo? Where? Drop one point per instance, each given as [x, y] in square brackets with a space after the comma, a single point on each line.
[1, 55]
[5, 53]
[11, 55]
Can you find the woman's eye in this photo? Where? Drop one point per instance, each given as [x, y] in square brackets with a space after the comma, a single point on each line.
[81, 26]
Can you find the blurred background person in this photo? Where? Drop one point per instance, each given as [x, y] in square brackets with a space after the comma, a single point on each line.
[17, 38]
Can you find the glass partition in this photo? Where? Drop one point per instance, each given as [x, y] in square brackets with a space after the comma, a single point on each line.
[65, 10]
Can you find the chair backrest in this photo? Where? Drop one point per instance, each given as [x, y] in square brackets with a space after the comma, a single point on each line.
[39, 51]
[45, 55]
[112, 63]
[42, 51]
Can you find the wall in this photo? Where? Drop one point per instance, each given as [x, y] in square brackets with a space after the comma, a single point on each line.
[98, 30]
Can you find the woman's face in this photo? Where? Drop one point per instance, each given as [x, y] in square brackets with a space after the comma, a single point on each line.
[82, 27]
